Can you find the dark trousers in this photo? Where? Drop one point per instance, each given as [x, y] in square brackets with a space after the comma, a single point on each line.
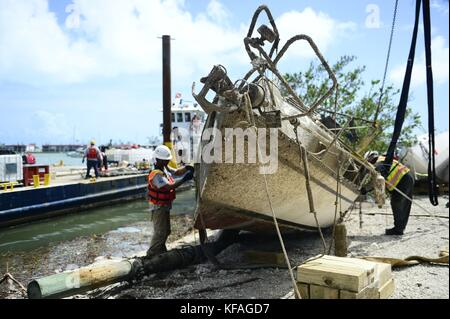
[161, 230]
[401, 206]
[92, 164]
[105, 162]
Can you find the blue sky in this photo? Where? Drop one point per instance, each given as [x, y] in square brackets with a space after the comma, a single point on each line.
[75, 70]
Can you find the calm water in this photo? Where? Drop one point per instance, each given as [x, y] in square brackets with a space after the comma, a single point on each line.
[54, 158]
[95, 221]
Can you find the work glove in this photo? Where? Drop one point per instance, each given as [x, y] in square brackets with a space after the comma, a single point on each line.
[363, 191]
[188, 176]
[189, 168]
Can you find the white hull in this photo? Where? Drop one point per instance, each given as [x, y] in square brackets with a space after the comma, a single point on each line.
[234, 195]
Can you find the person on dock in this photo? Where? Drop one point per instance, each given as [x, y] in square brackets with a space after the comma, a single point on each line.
[161, 194]
[93, 156]
[103, 164]
[29, 158]
[398, 180]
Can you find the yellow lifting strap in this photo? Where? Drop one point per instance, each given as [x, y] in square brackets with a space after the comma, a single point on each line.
[173, 161]
[411, 260]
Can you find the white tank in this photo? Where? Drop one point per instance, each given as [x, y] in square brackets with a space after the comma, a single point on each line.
[11, 168]
[131, 156]
[416, 157]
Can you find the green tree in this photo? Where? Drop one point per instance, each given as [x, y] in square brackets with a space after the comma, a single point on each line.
[354, 102]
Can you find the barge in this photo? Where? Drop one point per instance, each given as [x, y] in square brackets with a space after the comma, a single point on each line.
[70, 194]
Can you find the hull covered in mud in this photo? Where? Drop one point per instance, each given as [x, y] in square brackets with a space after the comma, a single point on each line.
[312, 175]
[233, 195]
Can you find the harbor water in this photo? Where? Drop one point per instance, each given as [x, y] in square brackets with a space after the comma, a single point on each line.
[75, 240]
[88, 223]
[55, 158]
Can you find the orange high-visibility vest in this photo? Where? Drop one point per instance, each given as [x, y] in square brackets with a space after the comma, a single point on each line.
[396, 173]
[161, 196]
[92, 153]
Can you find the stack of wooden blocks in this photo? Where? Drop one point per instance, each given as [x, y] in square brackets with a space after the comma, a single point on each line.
[330, 277]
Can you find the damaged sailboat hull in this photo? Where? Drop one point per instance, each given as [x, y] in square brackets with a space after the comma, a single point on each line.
[234, 194]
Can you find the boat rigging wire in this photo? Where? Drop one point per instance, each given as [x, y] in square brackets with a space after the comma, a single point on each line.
[248, 105]
[387, 63]
[304, 158]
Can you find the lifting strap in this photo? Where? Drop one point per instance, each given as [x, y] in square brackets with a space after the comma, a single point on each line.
[401, 110]
[411, 260]
[432, 187]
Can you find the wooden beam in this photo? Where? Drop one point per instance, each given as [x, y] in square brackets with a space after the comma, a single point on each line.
[320, 292]
[336, 272]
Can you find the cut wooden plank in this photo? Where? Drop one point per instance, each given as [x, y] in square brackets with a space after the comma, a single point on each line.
[383, 273]
[337, 272]
[333, 277]
[265, 257]
[387, 289]
[303, 289]
[321, 292]
[382, 288]
[370, 292]
[351, 262]
[350, 267]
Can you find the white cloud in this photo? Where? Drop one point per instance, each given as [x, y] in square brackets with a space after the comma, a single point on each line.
[440, 6]
[440, 63]
[105, 38]
[32, 43]
[217, 11]
[50, 127]
[323, 29]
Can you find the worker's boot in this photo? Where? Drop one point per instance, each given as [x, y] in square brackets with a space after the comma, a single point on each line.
[394, 231]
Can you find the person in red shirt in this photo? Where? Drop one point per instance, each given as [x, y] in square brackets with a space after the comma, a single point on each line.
[30, 159]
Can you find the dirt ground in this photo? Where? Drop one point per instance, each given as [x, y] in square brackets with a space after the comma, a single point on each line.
[81, 251]
[424, 236]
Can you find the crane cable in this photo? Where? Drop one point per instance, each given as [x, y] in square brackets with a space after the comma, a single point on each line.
[387, 63]
[402, 106]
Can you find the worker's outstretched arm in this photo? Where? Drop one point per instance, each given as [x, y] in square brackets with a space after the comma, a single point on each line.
[187, 177]
[183, 170]
[161, 182]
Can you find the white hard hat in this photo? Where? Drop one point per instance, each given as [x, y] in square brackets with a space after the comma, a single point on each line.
[162, 152]
[371, 154]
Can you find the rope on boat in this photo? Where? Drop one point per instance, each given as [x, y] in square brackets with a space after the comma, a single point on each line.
[426, 210]
[428, 213]
[336, 202]
[248, 105]
[304, 159]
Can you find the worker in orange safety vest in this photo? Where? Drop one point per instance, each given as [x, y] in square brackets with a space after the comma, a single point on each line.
[93, 156]
[161, 194]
